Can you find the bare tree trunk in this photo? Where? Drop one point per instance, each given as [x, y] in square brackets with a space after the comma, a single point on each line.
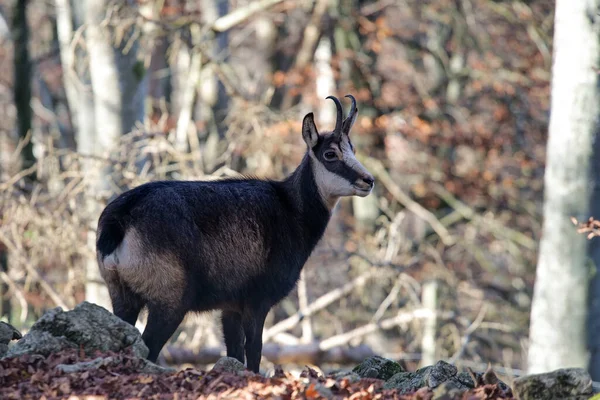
[116, 78]
[189, 90]
[85, 119]
[64, 28]
[558, 315]
[266, 37]
[22, 98]
[429, 299]
[325, 82]
[593, 321]
[214, 99]
[158, 70]
[5, 309]
[119, 90]
[22, 79]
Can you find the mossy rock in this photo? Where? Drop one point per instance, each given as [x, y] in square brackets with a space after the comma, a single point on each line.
[432, 376]
[88, 326]
[565, 383]
[406, 382]
[378, 367]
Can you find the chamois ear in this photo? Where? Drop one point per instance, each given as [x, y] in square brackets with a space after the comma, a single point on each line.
[309, 130]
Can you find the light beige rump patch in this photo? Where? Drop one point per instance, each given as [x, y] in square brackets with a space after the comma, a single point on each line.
[156, 276]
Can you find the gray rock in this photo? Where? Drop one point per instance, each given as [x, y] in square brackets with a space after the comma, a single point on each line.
[39, 342]
[439, 373]
[566, 383]
[7, 333]
[406, 382]
[228, 364]
[378, 367]
[464, 379]
[146, 367]
[431, 376]
[88, 326]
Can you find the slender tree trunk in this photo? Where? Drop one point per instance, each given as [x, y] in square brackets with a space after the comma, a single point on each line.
[22, 98]
[429, 299]
[5, 309]
[119, 89]
[64, 28]
[593, 321]
[214, 99]
[116, 79]
[325, 82]
[22, 78]
[559, 309]
[266, 38]
[85, 119]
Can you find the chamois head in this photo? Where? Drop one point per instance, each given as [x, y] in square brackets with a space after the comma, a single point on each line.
[336, 170]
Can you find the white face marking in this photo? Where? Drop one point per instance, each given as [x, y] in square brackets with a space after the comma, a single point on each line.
[350, 159]
[332, 186]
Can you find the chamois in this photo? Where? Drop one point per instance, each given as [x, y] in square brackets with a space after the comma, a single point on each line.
[235, 245]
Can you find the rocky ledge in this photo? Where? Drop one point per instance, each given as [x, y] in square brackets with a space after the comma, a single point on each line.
[89, 351]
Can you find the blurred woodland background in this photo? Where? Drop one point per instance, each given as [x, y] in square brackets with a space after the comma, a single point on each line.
[454, 102]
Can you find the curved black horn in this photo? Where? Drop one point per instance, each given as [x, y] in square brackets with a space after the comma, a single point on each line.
[338, 121]
[347, 124]
[353, 108]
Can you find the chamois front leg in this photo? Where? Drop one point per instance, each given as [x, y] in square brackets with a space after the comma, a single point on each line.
[234, 334]
[253, 321]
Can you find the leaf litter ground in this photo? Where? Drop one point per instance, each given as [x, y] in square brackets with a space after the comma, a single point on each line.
[38, 377]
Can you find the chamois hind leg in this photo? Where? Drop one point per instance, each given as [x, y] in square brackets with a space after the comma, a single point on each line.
[234, 334]
[162, 323]
[253, 321]
[126, 304]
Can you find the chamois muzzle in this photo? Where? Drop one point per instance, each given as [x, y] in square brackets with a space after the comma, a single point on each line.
[364, 185]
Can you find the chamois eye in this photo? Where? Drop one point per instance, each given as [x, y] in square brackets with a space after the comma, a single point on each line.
[330, 156]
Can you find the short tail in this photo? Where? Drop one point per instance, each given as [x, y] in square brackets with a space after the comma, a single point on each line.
[111, 235]
[114, 220]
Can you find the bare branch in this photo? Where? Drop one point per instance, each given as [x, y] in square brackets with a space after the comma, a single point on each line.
[18, 293]
[401, 318]
[377, 169]
[319, 304]
[31, 269]
[238, 16]
[307, 332]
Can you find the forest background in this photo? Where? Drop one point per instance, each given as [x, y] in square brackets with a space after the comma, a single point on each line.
[454, 105]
